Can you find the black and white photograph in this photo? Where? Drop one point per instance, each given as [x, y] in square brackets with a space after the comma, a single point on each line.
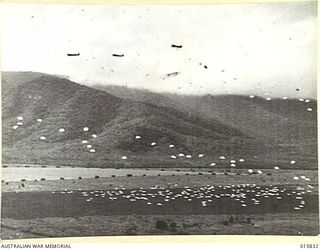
[159, 119]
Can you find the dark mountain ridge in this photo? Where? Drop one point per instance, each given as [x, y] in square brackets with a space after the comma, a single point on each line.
[233, 126]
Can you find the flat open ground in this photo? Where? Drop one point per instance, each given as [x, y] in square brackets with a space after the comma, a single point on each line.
[273, 203]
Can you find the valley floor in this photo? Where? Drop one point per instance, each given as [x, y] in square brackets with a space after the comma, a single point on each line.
[268, 224]
[189, 204]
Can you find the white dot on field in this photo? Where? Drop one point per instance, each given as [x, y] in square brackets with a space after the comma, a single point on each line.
[268, 99]
[138, 137]
[250, 171]
[85, 129]
[188, 156]
[124, 157]
[173, 156]
[301, 100]
[39, 120]
[89, 146]
[222, 157]
[92, 150]
[20, 118]
[15, 127]
[309, 109]
[181, 154]
[251, 96]
[153, 143]
[94, 135]
[276, 168]
[61, 130]
[84, 141]
[212, 164]
[292, 162]
[241, 160]
[171, 146]
[285, 98]
[19, 123]
[43, 138]
[296, 178]
[201, 155]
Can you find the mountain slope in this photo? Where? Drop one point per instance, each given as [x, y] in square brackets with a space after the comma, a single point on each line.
[116, 120]
[286, 124]
[284, 117]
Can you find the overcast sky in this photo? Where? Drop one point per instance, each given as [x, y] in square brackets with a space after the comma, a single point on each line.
[247, 48]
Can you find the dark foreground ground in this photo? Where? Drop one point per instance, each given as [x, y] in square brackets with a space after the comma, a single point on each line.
[267, 224]
[207, 200]
[177, 205]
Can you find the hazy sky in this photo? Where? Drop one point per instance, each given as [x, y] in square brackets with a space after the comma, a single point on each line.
[247, 48]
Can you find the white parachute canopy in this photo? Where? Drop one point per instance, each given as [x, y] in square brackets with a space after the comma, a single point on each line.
[171, 146]
[43, 138]
[84, 141]
[94, 135]
[61, 130]
[124, 157]
[20, 118]
[138, 137]
[153, 143]
[85, 129]
[201, 155]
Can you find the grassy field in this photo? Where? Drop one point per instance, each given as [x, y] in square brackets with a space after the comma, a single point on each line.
[59, 208]
[267, 224]
[283, 177]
